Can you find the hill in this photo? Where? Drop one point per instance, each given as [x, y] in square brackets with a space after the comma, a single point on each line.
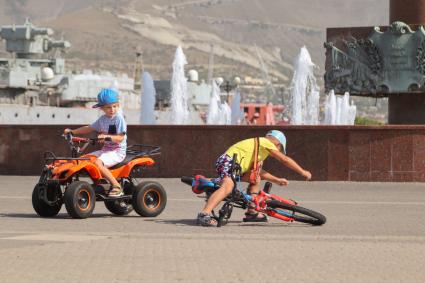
[106, 34]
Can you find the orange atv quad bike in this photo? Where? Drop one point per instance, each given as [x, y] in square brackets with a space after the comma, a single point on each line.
[60, 183]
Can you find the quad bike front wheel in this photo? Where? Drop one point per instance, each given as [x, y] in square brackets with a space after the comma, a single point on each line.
[79, 199]
[149, 199]
[46, 200]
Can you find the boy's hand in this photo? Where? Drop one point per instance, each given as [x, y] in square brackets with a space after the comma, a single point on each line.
[307, 175]
[67, 131]
[282, 182]
[102, 138]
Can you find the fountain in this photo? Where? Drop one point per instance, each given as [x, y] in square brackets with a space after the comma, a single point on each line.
[214, 107]
[237, 113]
[305, 97]
[304, 91]
[218, 113]
[226, 114]
[179, 99]
[147, 115]
[338, 110]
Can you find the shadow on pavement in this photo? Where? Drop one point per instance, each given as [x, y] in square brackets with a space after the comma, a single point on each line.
[277, 224]
[180, 222]
[59, 216]
[192, 222]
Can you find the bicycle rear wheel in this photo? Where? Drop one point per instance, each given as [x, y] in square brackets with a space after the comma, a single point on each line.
[297, 213]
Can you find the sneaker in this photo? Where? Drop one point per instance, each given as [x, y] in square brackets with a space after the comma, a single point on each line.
[254, 217]
[205, 220]
[115, 192]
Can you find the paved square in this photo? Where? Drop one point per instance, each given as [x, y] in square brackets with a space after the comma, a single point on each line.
[375, 233]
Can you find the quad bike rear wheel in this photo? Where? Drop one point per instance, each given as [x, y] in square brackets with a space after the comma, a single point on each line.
[149, 199]
[51, 194]
[79, 199]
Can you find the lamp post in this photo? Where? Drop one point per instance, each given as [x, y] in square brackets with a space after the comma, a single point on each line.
[228, 87]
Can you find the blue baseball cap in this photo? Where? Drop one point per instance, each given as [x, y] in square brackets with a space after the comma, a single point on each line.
[279, 136]
[106, 96]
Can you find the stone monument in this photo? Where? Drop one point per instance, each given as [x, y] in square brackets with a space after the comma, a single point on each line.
[383, 61]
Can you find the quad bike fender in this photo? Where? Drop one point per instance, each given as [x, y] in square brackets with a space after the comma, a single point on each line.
[89, 167]
[63, 169]
[124, 171]
[59, 167]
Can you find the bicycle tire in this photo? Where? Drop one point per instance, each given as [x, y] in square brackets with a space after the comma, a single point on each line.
[308, 216]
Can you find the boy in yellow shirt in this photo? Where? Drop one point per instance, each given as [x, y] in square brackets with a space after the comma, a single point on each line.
[272, 145]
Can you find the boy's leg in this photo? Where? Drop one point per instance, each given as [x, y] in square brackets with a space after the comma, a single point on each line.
[106, 173]
[105, 160]
[253, 189]
[204, 218]
[220, 194]
[223, 169]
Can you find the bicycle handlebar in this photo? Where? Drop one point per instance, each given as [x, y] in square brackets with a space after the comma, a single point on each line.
[232, 168]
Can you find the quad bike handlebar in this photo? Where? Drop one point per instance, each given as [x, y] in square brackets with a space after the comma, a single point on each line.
[75, 143]
[71, 138]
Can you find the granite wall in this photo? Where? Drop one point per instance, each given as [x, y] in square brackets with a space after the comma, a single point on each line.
[388, 153]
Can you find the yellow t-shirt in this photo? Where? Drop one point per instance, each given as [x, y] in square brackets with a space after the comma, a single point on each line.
[245, 152]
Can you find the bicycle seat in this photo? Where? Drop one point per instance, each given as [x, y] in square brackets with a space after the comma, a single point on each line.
[200, 184]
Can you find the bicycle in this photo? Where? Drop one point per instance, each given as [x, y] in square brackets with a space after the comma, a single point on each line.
[275, 206]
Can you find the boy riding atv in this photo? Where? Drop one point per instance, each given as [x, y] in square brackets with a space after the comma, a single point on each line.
[110, 126]
[61, 179]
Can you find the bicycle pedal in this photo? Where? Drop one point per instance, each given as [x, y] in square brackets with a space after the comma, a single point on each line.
[267, 187]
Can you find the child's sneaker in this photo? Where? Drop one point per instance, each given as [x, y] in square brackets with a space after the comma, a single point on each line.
[205, 220]
[115, 192]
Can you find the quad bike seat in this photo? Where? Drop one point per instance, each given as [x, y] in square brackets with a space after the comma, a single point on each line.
[136, 151]
[126, 160]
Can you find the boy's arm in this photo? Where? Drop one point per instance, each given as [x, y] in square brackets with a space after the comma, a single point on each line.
[121, 130]
[80, 131]
[114, 138]
[270, 177]
[290, 163]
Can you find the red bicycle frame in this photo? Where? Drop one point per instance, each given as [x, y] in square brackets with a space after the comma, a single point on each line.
[260, 202]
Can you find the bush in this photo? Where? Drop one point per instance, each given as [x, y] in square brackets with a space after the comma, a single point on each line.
[366, 122]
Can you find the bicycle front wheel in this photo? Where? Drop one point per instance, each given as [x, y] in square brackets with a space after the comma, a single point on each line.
[298, 213]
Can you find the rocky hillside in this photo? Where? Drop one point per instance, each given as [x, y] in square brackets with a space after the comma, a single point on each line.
[105, 34]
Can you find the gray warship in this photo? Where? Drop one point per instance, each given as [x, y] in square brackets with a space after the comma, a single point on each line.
[35, 87]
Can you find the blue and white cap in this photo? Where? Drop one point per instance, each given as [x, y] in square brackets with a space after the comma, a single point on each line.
[279, 136]
[106, 96]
